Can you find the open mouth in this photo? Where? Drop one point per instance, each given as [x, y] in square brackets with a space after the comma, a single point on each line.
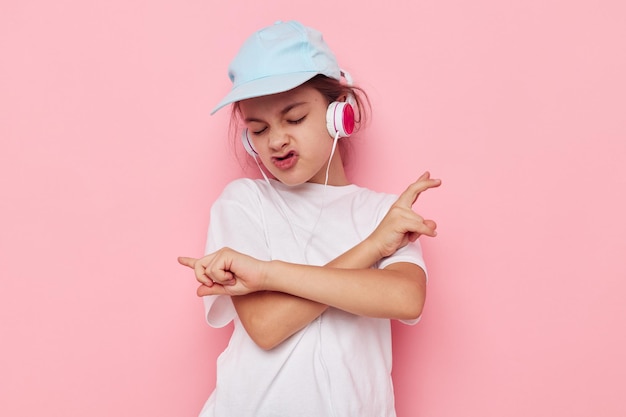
[287, 156]
[285, 161]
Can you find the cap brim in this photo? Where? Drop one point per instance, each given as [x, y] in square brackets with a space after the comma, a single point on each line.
[264, 87]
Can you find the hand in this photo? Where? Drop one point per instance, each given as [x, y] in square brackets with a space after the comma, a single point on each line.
[401, 224]
[226, 272]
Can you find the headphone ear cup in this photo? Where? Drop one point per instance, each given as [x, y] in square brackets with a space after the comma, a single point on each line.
[247, 143]
[340, 119]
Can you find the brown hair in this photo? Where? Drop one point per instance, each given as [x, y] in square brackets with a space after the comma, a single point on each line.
[334, 89]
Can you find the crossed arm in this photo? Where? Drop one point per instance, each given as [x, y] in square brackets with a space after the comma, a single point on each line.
[272, 306]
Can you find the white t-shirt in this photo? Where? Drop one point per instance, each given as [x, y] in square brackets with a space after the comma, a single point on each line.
[340, 364]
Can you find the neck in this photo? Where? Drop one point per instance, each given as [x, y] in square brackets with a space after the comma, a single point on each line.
[336, 172]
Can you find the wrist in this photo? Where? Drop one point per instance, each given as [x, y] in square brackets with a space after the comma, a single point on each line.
[268, 274]
[374, 249]
[370, 251]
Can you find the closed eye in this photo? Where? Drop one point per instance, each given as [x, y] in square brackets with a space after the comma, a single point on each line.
[295, 122]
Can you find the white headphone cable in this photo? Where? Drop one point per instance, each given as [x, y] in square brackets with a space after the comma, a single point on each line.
[319, 216]
[282, 202]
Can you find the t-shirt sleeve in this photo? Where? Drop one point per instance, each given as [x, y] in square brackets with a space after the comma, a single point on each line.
[236, 222]
[411, 253]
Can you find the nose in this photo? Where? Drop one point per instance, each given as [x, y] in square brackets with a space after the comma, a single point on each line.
[278, 139]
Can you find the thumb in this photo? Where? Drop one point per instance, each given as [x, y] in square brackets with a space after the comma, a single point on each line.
[216, 289]
[189, 262]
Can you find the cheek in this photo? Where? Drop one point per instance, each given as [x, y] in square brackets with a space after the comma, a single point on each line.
[319, 131]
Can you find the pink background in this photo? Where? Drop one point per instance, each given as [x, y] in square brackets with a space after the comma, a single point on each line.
[109, 163]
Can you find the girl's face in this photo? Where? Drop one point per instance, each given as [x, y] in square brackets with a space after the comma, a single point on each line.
[288, 131]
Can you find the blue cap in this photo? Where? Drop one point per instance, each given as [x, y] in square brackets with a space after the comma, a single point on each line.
[276, 59]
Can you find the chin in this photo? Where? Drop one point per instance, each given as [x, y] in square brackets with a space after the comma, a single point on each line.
[291, 183]
[294, 177]
[288, 178]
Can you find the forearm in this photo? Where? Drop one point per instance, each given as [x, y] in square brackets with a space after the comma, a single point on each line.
[270, 317]
[396, 292]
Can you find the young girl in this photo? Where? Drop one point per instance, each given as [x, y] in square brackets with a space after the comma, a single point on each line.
[310, 267]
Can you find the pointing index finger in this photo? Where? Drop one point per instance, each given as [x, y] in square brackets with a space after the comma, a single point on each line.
[423, 183]
[186, 261]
